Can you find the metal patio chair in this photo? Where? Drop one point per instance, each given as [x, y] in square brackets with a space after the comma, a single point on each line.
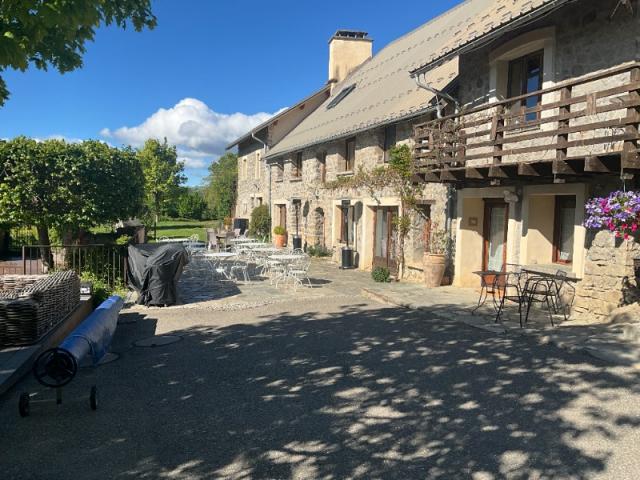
[513, 286]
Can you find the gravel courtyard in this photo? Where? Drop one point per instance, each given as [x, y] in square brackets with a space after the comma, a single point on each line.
[328, 387]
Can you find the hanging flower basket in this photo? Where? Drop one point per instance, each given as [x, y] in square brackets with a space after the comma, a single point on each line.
[619, 212]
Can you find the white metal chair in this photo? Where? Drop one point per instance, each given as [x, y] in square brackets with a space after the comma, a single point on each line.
[240, 267]
[299, 271]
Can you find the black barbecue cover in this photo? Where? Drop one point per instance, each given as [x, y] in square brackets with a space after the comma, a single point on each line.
[154, 271]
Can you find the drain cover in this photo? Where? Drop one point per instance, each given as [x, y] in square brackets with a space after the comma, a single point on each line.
[157, 341]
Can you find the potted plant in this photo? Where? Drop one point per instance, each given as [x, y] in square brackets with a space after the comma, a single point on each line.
[279, 236]
[434, 260]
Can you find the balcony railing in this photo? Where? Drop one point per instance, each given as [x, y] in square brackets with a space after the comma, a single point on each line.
[578, 127]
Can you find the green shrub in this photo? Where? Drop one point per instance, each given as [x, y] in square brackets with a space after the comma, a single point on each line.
[318, 251]
[260, 223]
[279, 230]
[381, 274]
[124, 240]
[101, 289]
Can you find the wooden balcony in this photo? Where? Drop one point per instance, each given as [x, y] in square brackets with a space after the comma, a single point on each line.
[578, 128]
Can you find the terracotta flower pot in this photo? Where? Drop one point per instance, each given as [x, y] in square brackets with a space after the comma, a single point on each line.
[434, 265]
[279, 240]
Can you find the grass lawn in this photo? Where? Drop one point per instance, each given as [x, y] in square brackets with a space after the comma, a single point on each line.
[182, 228]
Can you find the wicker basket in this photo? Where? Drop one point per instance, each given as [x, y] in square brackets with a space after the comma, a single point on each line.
[30, 306]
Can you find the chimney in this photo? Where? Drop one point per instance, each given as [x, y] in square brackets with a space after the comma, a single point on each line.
[347, 50]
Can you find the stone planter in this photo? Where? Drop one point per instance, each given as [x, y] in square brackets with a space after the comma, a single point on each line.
[434, 265]
[279, 240]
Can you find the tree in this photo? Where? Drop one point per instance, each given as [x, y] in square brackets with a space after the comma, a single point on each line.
[54, 32]
[63, 186]
[398, 177]
[191, 204]
[162, 175]
[221, 189]
[114, 180]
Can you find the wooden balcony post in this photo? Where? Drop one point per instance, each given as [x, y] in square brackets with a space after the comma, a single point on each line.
[560, 165]
[630, 158]
[496, 137]
[497, 134]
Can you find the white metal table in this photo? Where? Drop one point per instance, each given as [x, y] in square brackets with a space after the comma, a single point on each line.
[285, 259]
[217, 258]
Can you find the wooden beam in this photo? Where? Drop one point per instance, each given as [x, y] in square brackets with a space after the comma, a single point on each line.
[528, 170]
[498, 171]
[595, 164]
[474, 173]
[431, 177]
[563, 168]
[450, 175]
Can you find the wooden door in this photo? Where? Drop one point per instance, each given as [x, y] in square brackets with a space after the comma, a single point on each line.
[384, 239]
[496, 218]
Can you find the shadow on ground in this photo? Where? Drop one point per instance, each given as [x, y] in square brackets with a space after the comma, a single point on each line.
[358, 393]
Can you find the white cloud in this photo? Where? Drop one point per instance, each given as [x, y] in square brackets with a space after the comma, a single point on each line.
[200, 133]
[58, 137]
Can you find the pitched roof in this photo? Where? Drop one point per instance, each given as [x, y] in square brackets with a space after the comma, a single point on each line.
[384, 92]
[499, 15]
[270, 120]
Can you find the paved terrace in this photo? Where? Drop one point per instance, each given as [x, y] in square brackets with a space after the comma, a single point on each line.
[328, 384]
[612, 343]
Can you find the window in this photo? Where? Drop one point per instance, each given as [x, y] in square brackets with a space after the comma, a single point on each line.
[279, 166]
[258, 201]
[564, 226]
[350, 155]
[258, 167]
[296, 166]
[525, 76]
[322, 166]
[389, 140]
[340, 96]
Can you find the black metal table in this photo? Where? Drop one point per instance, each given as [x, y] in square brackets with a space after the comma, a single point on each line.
[489, 284]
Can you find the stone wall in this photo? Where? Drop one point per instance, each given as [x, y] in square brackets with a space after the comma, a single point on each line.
[319, 203]
[603, 288]
[253, 183]
[578, 47]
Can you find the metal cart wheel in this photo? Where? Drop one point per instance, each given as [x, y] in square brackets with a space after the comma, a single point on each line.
[55, 368]
[93, 398]
[23, 405]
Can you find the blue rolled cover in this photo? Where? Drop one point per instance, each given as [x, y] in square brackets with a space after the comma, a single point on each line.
[93, 336]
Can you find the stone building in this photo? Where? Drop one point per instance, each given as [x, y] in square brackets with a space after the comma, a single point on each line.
[253, 187]
[548, 97]
[372, 107]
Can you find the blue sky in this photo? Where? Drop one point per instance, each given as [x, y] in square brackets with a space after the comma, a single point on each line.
[207, 73]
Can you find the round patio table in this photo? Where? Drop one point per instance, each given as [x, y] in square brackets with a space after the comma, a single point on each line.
[284, 257]
[255, 245]
[219, 254]
[173, 240]
[217, 258]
